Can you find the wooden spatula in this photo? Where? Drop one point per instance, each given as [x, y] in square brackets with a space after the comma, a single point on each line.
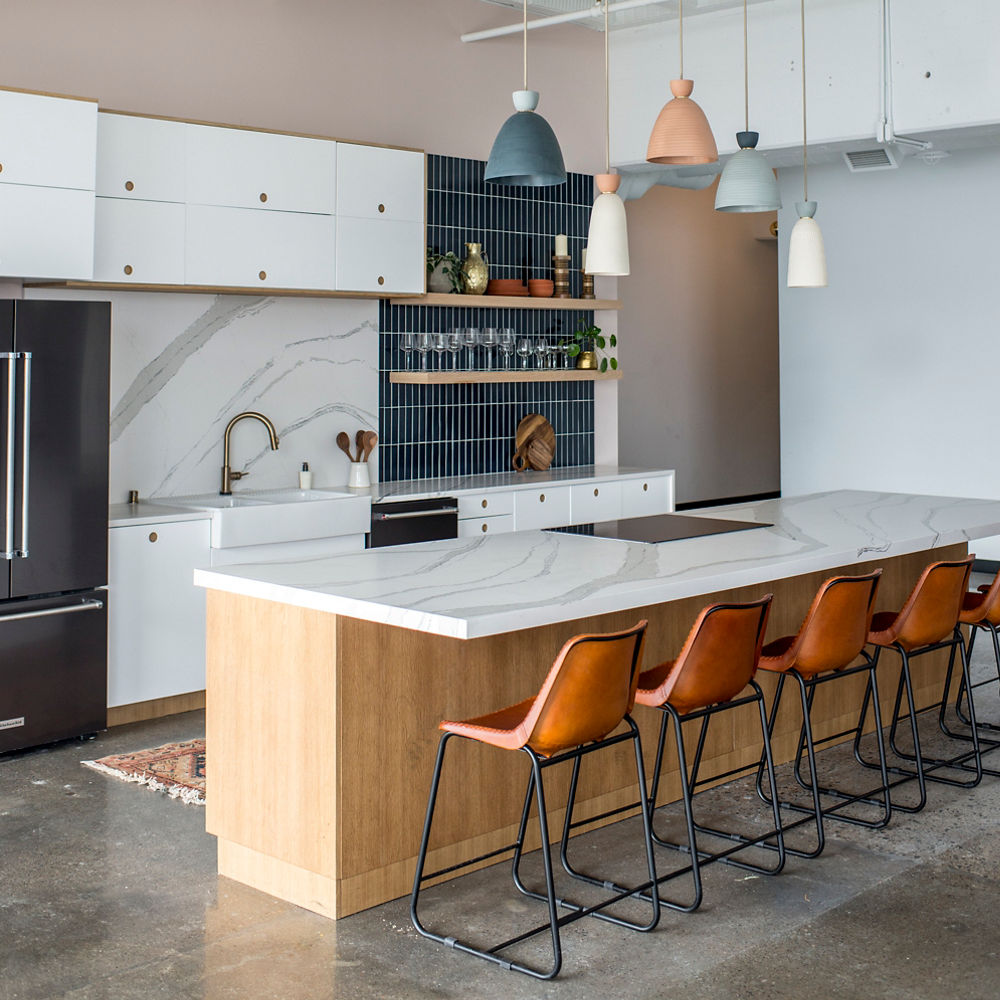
[344, 444]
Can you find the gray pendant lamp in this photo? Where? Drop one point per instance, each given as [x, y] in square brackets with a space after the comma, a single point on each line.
[607, 238]
[526, 150]
[747, 183]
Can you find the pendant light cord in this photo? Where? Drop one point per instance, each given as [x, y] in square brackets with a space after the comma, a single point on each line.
[680, 33]
[746, 71]
[805, 144]
[525, 44]
[607, 95]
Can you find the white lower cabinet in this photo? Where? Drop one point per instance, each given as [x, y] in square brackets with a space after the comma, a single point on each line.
[645, 497]
[474, 527]
[596, 502]
[46, 232]
[543, 508]
[139, 241]
[156, 623]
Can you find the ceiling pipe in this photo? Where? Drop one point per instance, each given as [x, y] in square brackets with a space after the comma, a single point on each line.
[575, 15]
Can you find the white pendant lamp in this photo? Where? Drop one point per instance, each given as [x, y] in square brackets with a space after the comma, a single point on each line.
[806, 253]
[526, 150]
[681, 134]
[607, 238]
[747, 183]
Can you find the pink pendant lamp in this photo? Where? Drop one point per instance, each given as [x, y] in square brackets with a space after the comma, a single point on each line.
[681, 134]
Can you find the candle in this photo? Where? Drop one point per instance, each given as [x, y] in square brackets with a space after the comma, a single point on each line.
[583, 260]
[562, 246]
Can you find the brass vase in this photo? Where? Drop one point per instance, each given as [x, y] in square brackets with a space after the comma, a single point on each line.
[586, 359]
[475, 270]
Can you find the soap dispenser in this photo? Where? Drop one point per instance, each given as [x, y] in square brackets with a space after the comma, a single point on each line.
[305, 477]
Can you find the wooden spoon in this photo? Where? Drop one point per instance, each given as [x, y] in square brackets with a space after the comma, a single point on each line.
[359, 440]
[344, 444]
[371, 439]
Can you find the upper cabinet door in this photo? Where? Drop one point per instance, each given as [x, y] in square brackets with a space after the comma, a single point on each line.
[47, 141]
[377, 183]
[46, 232]
[242, 169]
[140, 158]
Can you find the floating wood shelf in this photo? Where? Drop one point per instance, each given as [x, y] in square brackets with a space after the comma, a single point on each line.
[503, 302]
[514, 375]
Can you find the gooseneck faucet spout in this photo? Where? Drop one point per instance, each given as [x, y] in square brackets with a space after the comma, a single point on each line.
[227, 473]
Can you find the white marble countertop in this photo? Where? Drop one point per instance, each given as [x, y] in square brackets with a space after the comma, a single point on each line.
[466, 588]
[121, 515]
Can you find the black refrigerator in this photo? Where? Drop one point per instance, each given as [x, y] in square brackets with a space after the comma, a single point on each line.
[54, 391]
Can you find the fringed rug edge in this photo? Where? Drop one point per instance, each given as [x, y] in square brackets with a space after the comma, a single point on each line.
[192, 796]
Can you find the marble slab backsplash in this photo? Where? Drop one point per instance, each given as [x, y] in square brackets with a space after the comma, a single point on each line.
[183, 365]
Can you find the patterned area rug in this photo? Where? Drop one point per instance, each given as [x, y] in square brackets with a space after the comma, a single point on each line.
[177, 769]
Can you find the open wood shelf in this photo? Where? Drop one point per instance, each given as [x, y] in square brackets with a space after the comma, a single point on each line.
[503, 302]
[462, 378]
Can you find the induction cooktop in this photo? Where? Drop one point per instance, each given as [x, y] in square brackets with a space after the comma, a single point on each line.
[667, 528]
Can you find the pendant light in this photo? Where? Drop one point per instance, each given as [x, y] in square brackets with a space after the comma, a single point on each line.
[607, 238]
[681, 134]
[747, 183]
[806, 254]
[526, 150]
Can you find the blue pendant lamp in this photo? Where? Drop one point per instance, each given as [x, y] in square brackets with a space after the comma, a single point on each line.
[747, 183]
[526, 150]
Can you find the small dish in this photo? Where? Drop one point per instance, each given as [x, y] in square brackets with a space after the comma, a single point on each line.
[541, 288]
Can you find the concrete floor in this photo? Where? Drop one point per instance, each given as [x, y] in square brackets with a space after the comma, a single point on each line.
[109, 892]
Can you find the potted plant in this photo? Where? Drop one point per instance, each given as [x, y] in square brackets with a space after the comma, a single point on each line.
[586, 339]
[444, 271]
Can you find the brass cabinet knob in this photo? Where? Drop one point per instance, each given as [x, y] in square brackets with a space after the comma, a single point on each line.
[381, 208]
[153, 536]
[127, 268]
[486, 503]
[381, 280]
[129, 186]
[262, 275]
[263, 196]
[597, 493]
[1, 168]
[541, 498]
[645, 487]
[486, 527]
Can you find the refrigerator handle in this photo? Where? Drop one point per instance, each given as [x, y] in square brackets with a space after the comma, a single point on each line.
[8, 534]
[87, 605]
[25, 450]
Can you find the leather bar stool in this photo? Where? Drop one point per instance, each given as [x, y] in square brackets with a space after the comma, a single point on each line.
[928, 621]
[831, 638]
[709, 676]
[587, 695]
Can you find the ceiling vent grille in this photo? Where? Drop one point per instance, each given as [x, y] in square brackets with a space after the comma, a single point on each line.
[863, 160]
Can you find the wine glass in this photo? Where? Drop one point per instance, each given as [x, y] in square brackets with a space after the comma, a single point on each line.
[506, 345]
[524, 351]
[564, 350]
[440, 345]
[424, 344]
[407, 342]
[470, 337]
[488, 338]
[454, 344]
[541, 351]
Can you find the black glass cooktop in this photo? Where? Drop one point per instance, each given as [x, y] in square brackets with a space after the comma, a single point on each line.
[666, 528]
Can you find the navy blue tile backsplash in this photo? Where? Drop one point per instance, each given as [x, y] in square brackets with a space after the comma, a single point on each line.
[448, 430]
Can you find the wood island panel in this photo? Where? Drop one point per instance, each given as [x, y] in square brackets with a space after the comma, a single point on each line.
[322, 732]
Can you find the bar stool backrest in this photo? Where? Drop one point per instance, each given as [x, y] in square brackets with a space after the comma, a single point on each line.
[588, 691]
[991, 602]
[931, 611]
[836, 626]
[719, 656]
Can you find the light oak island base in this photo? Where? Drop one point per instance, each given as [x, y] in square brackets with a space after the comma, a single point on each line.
[322, 730]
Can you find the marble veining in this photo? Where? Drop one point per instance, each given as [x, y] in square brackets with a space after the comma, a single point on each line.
[491, 584]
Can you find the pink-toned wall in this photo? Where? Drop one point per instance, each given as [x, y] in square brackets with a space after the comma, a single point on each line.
[390, 71]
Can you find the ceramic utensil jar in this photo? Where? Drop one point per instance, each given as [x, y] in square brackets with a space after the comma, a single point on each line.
[475, 270]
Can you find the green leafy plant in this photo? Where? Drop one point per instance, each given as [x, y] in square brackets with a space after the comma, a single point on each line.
[587, 338]
[452, 268]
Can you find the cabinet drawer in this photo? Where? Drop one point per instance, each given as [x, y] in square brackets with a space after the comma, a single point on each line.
[140, 157]
[376, 183]
[246, 248]
[474, 527]
[479, 505]
[596, 502]
[263, 170]
[140, 241]
[377, 256]
[643, 497]
[542, 508]
[47, 141]
[46, 232]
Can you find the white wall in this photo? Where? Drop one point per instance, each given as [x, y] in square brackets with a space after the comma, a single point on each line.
[889, 376]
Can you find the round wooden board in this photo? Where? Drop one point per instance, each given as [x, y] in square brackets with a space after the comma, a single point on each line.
[535, 442]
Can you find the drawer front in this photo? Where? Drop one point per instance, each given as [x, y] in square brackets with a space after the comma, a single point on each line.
[46, 232]
[542, 508]
[47, 141]
[475, 527]
[139, 241]
[377, 256]
[479, 505]
[262, 170]
[644, 497]
[596, 502]
[376, 183]
[140, 158]
[245, 248]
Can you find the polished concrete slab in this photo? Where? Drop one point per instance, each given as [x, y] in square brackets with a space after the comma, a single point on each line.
[109, 892]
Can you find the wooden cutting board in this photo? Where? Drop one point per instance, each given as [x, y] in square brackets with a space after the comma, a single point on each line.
[534, 443]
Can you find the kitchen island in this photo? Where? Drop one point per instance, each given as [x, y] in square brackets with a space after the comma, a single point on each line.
[327, 677]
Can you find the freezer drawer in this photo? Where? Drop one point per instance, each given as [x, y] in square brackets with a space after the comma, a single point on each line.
[53, 669]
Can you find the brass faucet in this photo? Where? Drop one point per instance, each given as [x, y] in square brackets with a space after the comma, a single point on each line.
[227, 474]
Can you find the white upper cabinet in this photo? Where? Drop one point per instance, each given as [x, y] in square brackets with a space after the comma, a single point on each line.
[377, 183]
[381, 257]
[140, 157]
[263, 170]
[139, 242]
[46, 233]
[47, 141]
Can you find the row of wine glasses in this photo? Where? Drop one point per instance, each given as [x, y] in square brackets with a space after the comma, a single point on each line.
[537, 354]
